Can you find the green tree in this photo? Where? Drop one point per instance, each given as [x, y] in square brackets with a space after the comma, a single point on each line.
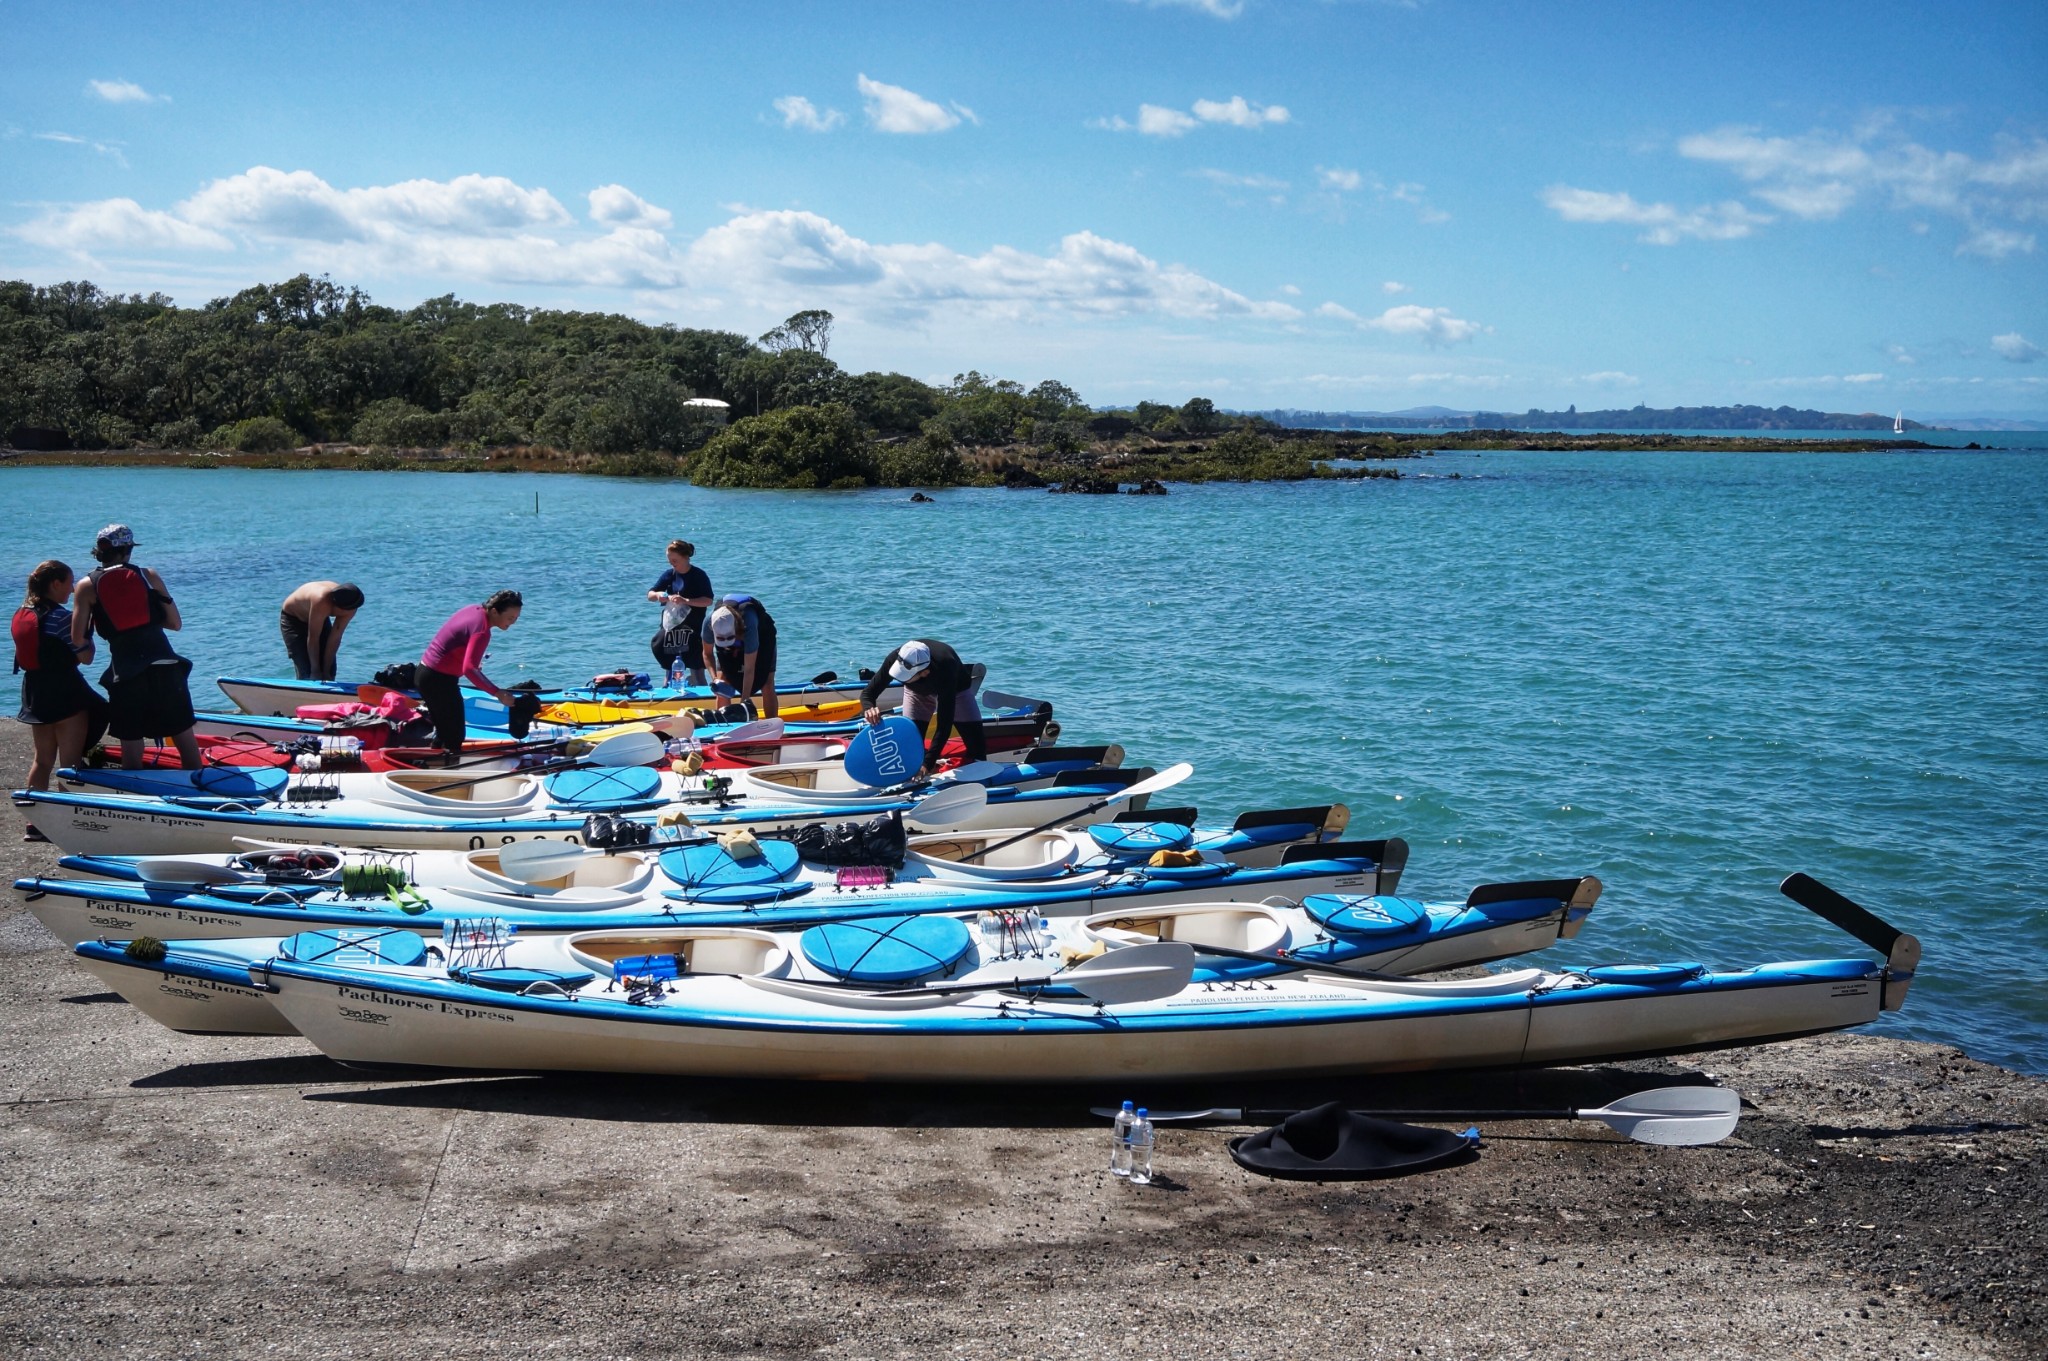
[798, 447]
[810, 330]
[1198, 415]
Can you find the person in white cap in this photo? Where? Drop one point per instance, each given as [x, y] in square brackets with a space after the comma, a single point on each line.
[938, 696]
[739, 648]
[147, 694]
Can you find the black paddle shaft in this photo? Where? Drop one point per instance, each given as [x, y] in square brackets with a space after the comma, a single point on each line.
[1817, 898]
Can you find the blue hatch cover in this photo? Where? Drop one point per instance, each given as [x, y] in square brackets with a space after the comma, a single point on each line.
[1141, 838]
[355, 947]
[604, 785]
[886, 949]
[1358, 914]
[708, 864]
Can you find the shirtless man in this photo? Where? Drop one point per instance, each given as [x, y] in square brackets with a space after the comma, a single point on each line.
[312, 622]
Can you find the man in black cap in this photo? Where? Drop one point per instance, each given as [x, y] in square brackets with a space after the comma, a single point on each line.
[939, 690]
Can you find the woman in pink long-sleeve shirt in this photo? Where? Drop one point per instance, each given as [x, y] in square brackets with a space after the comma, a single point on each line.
[457, 654]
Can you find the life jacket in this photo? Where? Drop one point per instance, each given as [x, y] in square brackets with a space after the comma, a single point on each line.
[27, 628]
[121, 600]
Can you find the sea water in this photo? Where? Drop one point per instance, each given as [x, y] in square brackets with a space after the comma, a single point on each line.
[1689, 674]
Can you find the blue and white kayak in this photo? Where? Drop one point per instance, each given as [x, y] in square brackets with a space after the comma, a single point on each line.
[282, 696]
[402, 810]
[193, 985]
[1352, 899]
[944, 999]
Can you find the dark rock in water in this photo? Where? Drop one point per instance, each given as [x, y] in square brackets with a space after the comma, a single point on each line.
[921, 498]
[1151, 486]
[1973, 445]
[1087, 486]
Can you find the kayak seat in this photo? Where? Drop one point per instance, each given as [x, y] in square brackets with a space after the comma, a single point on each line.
[886, 949]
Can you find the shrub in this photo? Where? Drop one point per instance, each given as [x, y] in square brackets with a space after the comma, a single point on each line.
[257, 435]
[927, 461]
[797, 448]
[395, 423]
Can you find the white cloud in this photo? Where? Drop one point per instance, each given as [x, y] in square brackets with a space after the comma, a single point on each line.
[891, 108]
[1215, 9]
[1393, 288]
[1430, 325]
[1225, 179]
[1823, 174]
[618, 204]
[1291, 290]
[112, 149]
[1331, 309]
[267, 202]
[1611, 378]
[799, 113]
[1863, 378]
[798, 256]
[1663, 225]
[1238, 113]
[1155, 121]
[1329, 177]
[123, 92]
[1995, 243]
[117, 224]
[2015, 347]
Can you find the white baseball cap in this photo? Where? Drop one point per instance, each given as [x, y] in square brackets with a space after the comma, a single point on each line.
[913, 659]
[725, 626]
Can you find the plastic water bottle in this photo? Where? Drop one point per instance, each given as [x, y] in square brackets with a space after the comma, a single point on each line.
[1141, 1148]
[677, 674]
[1120, 1142]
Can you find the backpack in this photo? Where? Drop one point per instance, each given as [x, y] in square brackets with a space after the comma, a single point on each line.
[27, 629]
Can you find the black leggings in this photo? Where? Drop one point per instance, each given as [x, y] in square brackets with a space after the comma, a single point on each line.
[443, 696]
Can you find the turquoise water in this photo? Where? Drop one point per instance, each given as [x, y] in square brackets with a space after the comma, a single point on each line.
[1688, 674]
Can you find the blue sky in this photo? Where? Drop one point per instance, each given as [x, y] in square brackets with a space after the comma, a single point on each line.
[1341, 204]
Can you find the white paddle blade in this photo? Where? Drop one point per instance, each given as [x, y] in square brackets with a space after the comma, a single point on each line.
[1135, 973]
[950, 806]
[1673, 1116]
[759, 730]
[627, 749]
[164, 869]
[536, 862]
[1165, 779]
[970, 772]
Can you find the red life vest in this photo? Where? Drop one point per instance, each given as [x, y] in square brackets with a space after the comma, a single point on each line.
[27, 629]
[121, 599]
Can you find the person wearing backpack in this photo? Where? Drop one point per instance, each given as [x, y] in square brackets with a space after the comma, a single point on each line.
[147, 692]
[64, 712]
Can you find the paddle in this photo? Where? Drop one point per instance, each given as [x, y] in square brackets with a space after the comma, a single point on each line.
[949, 807]
[1165, 779]
[1668, 1115]
[165, 869]
[1302, 965]
[885, 753]
[1901, 952]
[1135, 973]
[758, 730]
[627, 749]
[536, 862]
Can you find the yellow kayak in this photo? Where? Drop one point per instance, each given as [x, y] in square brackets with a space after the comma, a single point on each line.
[583, 713]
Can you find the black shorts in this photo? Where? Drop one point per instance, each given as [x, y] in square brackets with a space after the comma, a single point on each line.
[52, 694]
[732, 663]
[685, 643]
[298, 639]
[155, 702]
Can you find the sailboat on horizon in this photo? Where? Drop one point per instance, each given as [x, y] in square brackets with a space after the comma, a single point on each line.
[1899, 423]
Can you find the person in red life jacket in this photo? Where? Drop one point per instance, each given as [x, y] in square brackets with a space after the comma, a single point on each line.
[938, 695]
[739, 648]
[457, 654]
[146, 685]
[312, 620]
[66, 714]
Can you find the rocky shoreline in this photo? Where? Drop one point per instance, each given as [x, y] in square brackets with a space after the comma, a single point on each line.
[195, 1196]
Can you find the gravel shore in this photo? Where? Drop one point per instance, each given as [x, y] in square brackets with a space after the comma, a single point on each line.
[188, 1196]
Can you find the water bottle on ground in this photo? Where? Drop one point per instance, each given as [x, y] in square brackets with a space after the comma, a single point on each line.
[1141, 1148]
[678, 675]
[1120, 1142]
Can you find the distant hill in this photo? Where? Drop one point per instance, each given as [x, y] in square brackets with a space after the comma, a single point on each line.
[1571, 418]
